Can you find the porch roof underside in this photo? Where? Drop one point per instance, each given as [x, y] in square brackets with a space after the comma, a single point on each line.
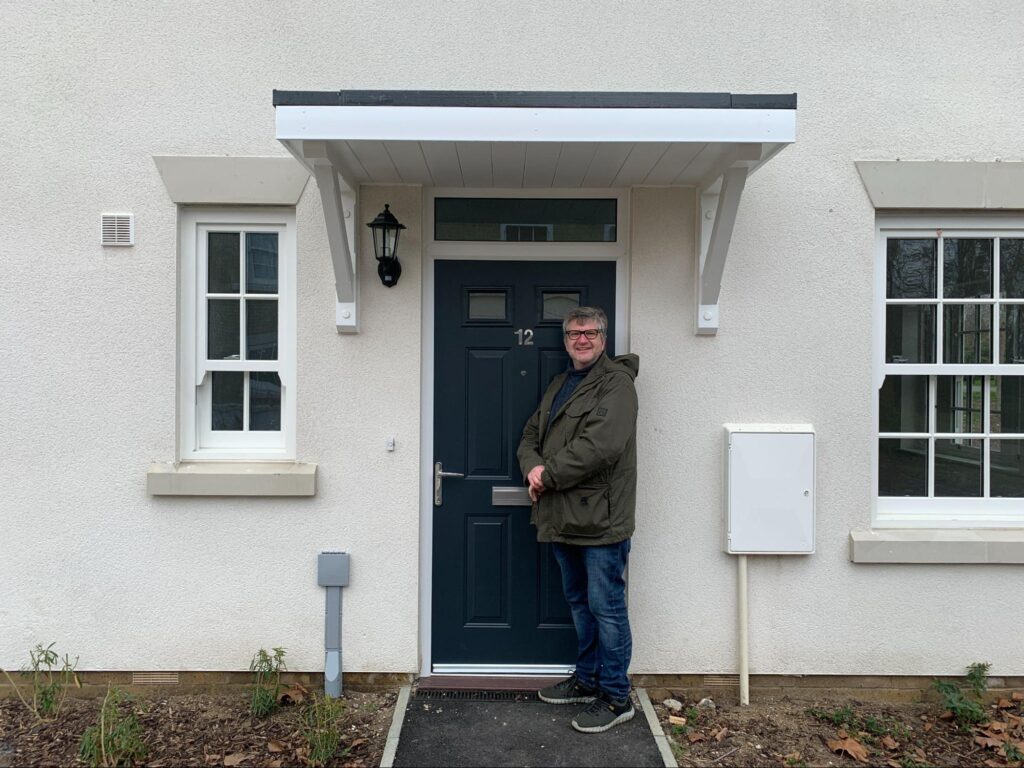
[527, 139]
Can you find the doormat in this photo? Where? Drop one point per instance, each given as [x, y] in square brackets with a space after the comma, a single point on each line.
[441, 694]
[514, 729]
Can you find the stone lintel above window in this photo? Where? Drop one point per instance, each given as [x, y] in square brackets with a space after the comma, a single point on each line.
[924, 185]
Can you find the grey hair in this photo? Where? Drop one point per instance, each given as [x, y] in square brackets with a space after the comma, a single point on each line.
[583, 314]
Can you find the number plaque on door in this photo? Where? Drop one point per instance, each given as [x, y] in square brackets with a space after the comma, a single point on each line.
[525, 336]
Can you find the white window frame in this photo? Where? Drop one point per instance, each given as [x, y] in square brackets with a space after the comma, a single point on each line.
[196, 442]
[940, 512]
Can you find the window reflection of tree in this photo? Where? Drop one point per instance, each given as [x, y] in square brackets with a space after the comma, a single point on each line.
[911, 269]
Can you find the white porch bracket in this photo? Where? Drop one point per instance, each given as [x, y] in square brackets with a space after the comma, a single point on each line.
[719, 202]
[338, 196]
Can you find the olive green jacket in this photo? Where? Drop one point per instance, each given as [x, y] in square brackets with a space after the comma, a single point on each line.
[588, 450]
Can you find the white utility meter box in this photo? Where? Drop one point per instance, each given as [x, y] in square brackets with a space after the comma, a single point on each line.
[769, 489]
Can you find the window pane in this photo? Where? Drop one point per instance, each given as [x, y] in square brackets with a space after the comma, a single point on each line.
[487, 305]
[910, 333]
[261, 329]
[967, 268]
[532, 219]
[958, 467]
[1007, 461]
[910, 267]
[902, 467]
[222, 341]
[558, 304]
[1011, 268]
[903, 404]
[967, 333]
[1007, 403]
[261, 262]
[959, 404]
[222, 267]
[228, 390]
[264, 402]
[1011, 333]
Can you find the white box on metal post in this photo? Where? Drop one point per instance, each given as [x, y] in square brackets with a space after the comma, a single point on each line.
[769, 489]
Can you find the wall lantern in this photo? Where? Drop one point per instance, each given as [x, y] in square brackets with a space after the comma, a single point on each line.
[386, 229]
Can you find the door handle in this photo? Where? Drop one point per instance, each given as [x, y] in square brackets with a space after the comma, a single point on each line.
[439, 476]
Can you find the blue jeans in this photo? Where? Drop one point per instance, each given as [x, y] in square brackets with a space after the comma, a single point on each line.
[596, 593]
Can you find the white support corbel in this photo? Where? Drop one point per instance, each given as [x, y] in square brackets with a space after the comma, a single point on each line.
[717, 218]
[339, 203]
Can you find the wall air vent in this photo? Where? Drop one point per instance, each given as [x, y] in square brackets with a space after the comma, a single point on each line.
[154, 678]
[117, 229]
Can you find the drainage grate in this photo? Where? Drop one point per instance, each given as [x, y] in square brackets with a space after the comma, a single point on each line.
[450, 695]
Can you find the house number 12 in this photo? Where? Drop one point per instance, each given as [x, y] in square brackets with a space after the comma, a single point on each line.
[525, 336]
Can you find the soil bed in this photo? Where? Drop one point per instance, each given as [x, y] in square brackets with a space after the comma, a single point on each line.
[789, 733]
[200, 730]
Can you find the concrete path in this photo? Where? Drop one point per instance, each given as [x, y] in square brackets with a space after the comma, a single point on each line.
[516, 730]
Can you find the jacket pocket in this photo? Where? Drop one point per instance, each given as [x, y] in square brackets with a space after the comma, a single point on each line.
[584, 511]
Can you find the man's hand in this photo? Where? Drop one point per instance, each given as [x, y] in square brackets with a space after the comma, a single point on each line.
[536, 484]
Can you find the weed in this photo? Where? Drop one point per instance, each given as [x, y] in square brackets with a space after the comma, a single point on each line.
[977, 677]
[965, 711]
[680, 730]
[50, 678]
[1012, 752]
[874, 727]
[116, 739]
[266, 669]
[795, 762]
[842, 717]
[909, 761]
[321, 727]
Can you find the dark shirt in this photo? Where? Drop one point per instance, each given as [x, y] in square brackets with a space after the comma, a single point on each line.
[568, 387]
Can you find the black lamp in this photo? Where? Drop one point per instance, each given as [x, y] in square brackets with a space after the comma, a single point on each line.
[386, 229]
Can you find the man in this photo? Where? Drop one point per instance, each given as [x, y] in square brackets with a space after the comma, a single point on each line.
[578, 455]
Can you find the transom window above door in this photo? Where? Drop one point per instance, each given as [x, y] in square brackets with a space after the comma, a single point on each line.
[509, 219]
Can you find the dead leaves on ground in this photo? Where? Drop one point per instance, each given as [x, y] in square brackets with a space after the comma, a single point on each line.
[296, 694]
[850, 746]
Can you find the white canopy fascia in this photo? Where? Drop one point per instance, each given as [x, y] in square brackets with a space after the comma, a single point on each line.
[534, 140]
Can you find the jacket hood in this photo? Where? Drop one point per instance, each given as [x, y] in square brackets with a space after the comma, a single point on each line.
[628, 364]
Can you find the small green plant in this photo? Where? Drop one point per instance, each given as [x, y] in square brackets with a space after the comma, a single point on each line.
[321, 727]
[841, 717]
[909, 761]
[266, 669]
[50, 677]
[977, 677]
[966, 712]
[874, 728]
[116, 739]
[1012, 752]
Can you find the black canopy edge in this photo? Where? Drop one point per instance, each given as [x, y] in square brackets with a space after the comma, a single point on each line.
[534, 99]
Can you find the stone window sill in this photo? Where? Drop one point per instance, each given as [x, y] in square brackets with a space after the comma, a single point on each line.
[978, 546]
[232, 479]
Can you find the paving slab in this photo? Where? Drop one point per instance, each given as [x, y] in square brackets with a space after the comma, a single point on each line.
[518, 730]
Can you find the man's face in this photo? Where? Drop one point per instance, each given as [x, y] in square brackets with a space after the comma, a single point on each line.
[582, 350]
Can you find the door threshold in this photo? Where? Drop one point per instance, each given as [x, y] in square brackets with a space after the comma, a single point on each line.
[483, 683]
[504, 670]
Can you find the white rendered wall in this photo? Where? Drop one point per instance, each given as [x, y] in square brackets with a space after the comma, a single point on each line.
[91, 92]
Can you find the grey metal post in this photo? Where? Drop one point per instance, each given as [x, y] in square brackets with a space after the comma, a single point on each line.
[332, 572]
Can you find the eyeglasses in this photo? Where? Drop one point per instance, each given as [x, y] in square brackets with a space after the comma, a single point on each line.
[590, 333]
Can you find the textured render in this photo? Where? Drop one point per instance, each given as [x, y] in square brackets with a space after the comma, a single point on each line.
[127, 581]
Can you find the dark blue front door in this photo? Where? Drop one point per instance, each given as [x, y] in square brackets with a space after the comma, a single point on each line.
[497, 597]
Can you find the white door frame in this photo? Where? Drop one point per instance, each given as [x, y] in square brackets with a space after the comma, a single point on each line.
[618, 252]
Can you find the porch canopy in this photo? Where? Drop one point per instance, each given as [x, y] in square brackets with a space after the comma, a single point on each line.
[534, 139]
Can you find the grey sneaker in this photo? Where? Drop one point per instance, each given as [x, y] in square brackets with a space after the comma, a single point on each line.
[568, 691]
[603, 713]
